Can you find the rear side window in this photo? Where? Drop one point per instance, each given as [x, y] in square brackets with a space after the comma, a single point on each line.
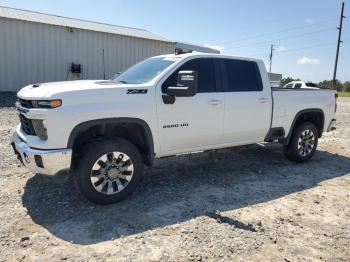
[206, 75]
[298, 85]
[242, 76]
[310, 85]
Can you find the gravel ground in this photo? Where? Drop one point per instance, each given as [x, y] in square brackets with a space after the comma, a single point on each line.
[240, 204]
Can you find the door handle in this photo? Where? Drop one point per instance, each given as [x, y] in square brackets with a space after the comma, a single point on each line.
[214, 102]
[263, 100]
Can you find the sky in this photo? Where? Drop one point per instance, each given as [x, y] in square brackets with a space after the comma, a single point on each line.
[304, 32]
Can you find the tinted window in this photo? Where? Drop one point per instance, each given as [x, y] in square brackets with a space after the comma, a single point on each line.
[297, 85]
[310, 84]
[242, 76]
[289, 86]
[206, 75]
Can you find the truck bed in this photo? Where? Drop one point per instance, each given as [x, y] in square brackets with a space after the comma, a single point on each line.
[287, 103]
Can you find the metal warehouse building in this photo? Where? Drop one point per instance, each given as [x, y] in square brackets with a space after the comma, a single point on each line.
[36, 47]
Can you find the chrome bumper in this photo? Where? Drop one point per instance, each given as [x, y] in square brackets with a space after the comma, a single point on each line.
[47, 162]
[332, 125]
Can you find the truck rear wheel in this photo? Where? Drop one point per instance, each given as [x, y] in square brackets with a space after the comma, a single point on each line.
[303, 143]
[109, 170]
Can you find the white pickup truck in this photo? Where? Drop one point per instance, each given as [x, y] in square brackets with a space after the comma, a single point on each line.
[106, 131]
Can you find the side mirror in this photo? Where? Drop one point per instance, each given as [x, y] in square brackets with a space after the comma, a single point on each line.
[187, 83]
[117, 74]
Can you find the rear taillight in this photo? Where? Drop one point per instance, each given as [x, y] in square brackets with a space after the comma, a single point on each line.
[336, 100]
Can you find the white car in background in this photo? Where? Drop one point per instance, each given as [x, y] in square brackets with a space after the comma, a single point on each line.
[301, 84]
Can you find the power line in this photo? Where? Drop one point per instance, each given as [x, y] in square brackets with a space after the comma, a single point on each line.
[299, 48]
[307, 47]
[283, 38]
[276, 32]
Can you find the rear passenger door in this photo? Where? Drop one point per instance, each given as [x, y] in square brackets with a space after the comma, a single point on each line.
[247, 103]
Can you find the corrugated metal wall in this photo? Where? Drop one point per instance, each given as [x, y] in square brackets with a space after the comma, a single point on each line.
[34, 52]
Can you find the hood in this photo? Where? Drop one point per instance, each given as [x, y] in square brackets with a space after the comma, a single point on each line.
[54, 89]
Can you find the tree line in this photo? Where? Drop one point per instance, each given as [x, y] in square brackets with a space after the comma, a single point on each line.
[345, 86]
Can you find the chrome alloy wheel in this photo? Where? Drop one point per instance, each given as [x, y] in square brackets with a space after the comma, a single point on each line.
[112, 173]
[306, 142]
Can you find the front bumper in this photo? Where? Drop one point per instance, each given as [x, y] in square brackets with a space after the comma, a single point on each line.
[47, 162]
[332, 125]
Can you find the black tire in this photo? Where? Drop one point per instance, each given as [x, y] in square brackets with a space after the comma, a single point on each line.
[294, 150]
[92, 152]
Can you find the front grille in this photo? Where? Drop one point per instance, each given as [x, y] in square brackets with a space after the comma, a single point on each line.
[27, 125]
[25, 103]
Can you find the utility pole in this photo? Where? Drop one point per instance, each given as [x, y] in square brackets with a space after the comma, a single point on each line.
[338, 45]
[271, 54]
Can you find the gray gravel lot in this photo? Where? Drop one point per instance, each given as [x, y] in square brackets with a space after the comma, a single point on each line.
[248, 203]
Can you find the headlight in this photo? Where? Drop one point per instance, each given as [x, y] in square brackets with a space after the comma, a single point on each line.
[46, 103]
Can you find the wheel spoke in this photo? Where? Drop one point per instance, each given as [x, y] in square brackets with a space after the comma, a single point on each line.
[127, 163]
[127, 173]
[99, 182]
[124, 178]
[115, 186]
[120, 185]
[110, 189]
[120, 158]
[105, 187]
[101, 163]
[95, 173]
[110, 157]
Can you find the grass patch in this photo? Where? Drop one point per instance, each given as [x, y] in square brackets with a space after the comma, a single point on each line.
[344, 94]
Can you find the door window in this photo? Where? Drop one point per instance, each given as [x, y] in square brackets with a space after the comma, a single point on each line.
[206, 75]
[242, 76]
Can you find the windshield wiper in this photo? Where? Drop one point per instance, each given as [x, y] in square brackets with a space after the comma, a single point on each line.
[122, 81]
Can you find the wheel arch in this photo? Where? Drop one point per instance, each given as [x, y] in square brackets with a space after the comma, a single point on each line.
[314, 115]
[136, 130]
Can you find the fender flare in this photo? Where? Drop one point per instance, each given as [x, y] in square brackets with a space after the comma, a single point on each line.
[118, 120]
[301, 112]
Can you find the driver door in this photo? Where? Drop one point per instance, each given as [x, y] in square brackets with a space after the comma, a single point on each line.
[191, 123]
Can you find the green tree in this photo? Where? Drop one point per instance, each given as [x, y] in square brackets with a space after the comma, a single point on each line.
[346, 86]
[287, 80]
[329, 84]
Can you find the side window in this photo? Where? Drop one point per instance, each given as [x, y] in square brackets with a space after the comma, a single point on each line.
[289, 86]
[310, 85]
[242, 76]
[298, 85]
[206, 75]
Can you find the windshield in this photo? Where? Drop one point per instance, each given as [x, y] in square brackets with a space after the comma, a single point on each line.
[144, 71]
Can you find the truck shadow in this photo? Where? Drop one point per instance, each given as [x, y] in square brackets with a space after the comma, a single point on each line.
[178, 189]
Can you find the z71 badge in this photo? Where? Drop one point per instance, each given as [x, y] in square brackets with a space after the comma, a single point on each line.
[137, 91]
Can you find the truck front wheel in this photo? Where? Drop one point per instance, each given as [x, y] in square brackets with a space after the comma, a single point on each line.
[109, 170]
[303, 143]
